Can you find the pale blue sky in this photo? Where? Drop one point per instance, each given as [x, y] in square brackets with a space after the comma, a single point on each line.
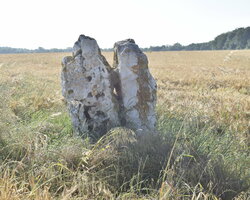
[58, 23]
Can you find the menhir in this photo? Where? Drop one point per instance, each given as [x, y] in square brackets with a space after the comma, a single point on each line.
[86, 87]
[137, 86]
[99, 97]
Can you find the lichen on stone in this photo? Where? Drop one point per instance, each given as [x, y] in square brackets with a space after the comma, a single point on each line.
[100, 97]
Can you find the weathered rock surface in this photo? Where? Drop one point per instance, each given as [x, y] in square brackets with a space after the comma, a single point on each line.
[137, 86]
[87, 89]
[99, 97]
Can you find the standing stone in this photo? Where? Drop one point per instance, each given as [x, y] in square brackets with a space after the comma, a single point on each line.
[86, 87]
[138, 87]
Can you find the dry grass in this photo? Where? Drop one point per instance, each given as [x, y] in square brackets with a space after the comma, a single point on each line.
[204, 115]
[212, 84]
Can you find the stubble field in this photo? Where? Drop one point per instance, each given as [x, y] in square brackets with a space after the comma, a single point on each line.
[203, 117]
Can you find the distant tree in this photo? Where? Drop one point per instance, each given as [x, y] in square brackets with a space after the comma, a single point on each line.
[219, 41]
[248, 44]
[40, 50]
[176, 47]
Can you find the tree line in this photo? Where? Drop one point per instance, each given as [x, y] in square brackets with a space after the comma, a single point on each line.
[236, 39]
[10, 50]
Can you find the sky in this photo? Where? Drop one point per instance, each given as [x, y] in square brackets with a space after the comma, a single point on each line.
[58, 23]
